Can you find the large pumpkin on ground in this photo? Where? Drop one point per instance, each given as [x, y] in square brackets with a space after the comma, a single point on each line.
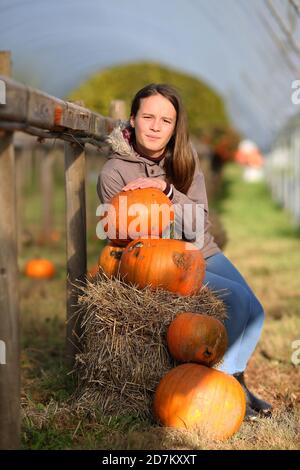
[193, 337]
[109, 259]
[137, 213]
[173, 265]
[195, 396]
[40, 268]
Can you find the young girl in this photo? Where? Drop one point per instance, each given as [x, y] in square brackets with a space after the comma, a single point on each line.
[153, 150]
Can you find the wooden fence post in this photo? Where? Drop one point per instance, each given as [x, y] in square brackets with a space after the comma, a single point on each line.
[19, 194]
[31, 109]
[76, 239]
[46, 182]
[9, 302]
[117, 109]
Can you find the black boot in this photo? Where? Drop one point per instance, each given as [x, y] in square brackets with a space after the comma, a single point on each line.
[252, 401]
[251, 415]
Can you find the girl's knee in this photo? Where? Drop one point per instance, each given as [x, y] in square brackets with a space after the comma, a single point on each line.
[245, 300]
[237, 296]
[257, 310]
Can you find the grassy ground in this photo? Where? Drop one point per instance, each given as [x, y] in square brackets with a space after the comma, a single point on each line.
[264, 247]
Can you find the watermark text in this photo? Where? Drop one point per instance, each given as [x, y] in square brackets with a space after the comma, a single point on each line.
[295, 358]
[2, 92]
[2, 353]
[138, 220]
[295, 96]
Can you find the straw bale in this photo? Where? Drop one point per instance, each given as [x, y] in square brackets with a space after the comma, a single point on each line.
[124, 353]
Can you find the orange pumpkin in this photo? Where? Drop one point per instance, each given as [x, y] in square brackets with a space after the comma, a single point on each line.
[51, 237]
[137, 213]
[40, 268]
[109, 259]
[173, 265]
[55, 236]
[193, 337]
[192, 395]
[92, 272]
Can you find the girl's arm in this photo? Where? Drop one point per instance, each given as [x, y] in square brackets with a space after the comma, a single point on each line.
[109, 184]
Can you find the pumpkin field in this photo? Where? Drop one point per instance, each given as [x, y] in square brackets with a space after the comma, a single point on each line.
[264, 246]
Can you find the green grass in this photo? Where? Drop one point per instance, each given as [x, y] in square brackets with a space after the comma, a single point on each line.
[248, 210]
[262, 244]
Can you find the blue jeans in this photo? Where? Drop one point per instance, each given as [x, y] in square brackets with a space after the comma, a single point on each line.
[245, 313]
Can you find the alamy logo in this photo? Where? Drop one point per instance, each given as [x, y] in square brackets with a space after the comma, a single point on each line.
[2, 352]
[139, 220]
[295, 358]
[295, 97]
[2, 92]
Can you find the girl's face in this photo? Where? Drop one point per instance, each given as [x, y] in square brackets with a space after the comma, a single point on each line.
[154, 124]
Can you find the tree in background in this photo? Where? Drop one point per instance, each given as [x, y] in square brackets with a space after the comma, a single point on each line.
[205, 108]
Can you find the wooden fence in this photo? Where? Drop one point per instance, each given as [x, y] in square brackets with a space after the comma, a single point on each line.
[283, 169]
[34, 112]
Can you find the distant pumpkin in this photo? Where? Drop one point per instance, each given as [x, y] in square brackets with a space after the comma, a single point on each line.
[46, 238]
[194, 337]
[55, 236]
[40, 268]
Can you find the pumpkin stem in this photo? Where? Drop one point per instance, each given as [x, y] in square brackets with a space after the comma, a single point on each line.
[208, 352]
[116, 254]
[136, 245]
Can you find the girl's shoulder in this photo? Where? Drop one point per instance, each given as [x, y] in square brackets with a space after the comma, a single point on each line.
[115, 161]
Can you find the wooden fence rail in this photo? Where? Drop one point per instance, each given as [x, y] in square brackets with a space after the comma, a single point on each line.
[37, 113]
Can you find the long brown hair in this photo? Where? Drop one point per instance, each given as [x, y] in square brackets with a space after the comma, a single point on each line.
[180, 161]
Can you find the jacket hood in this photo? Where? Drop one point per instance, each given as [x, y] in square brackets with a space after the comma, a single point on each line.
[120, 144]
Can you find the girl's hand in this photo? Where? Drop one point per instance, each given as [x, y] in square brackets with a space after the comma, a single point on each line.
[142, 183]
